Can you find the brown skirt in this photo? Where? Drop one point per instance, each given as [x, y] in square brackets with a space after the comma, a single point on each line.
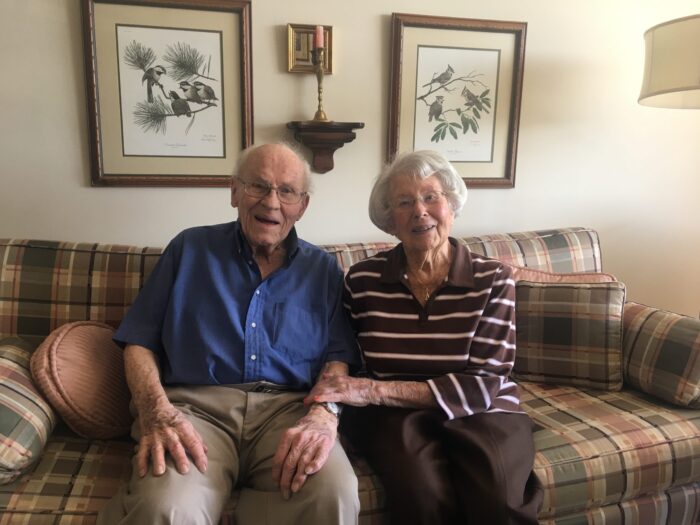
[475, 470]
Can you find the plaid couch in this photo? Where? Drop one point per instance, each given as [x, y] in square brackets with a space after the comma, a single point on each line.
[604, 457]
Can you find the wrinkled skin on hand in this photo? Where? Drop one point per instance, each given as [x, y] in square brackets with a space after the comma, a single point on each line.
[304, 449]
[166, 429]
[355, 391]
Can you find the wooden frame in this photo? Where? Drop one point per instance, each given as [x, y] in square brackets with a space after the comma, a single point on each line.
[300, 39]
[169, 90]
[455, 87]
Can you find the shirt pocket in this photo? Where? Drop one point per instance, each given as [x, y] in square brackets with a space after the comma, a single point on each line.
[299, 332]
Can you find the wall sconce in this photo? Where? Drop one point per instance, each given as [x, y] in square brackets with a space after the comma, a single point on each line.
[310, 50]
[672, 64]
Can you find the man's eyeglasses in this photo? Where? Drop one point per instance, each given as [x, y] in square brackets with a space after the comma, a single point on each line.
[428, 199]
[260, 189]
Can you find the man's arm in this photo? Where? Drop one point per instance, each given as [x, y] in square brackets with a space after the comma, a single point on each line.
[304, 448]
[163, 427]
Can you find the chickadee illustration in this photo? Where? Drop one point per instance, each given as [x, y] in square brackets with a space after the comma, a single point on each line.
[179, 105]
[190, 92]
[152, 76]
[205, 92]
[435, 108]
[443, 77]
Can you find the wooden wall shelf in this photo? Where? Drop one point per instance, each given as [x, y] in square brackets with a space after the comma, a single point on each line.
[323, 138]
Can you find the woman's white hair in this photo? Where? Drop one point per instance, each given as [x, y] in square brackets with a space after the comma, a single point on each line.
[421, 165]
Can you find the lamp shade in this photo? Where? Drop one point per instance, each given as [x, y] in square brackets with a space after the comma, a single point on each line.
[672, 64]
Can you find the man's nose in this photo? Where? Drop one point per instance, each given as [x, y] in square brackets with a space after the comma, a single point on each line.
[271, 200]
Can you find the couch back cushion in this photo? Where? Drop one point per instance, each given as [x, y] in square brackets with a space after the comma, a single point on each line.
[45, 284]
[661, 354]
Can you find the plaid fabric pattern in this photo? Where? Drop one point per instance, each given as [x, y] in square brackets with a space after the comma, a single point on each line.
[26, 419]
[72, 481]
[561, 250]
[569, 333]
[603, 457]
[44, 285]
[597, 448]
[612, 456]
[662, 354]
[349, 254]
[678, 505]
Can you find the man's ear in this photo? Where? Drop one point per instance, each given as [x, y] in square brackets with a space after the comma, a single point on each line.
[304, 205]
[235, 195]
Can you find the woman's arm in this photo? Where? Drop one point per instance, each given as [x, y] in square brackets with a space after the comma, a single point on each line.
[362, 391]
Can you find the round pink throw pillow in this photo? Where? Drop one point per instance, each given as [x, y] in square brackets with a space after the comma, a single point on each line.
[80, 370]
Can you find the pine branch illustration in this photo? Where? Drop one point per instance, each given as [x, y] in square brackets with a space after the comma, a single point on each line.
[185, 61]
[139, 56]
[151, 116]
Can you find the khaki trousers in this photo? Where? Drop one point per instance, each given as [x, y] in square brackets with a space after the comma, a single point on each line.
[241, 426]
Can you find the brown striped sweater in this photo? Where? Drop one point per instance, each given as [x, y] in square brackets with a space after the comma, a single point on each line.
[462, 342]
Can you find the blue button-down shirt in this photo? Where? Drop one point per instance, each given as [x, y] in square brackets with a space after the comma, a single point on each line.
[208, 315]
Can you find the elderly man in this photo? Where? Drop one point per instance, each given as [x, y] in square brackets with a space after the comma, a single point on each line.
[232, 328]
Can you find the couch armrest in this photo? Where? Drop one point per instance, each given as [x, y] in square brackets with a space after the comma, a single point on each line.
[661, 354]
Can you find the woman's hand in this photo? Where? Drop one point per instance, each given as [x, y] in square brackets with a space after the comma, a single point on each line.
[355, 391]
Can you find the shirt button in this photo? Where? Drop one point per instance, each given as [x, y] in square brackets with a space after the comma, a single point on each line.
[253, 325]
[250, 262]
[253, 357]
[257, 292]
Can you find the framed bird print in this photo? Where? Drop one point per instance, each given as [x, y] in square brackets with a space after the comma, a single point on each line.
[455, 88]
[169, 86]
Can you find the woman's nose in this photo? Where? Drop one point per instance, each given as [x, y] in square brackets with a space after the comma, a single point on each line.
[419, 207]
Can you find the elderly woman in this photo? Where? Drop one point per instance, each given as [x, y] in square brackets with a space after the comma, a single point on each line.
[442, 424]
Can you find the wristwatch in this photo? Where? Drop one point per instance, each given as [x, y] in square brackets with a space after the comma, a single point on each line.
[333, 408]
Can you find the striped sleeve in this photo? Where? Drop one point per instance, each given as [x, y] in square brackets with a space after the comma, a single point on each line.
[484, 384]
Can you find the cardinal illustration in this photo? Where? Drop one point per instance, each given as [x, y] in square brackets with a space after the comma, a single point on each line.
[442, 78]
[179, 105]
[152, 77]
[205, 92]
[469, 96]
[435, 108]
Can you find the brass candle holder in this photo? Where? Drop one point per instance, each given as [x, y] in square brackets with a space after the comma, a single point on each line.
[317, 57]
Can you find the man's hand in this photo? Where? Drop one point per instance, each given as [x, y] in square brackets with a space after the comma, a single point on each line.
[304, 449]
[166, 429]
[163, 427]
[355, 391]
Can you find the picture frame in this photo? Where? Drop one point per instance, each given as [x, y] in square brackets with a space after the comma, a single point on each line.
[300, 38]
[456, 87]
[169, 90]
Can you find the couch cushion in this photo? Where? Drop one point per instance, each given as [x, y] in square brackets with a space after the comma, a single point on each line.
[661, 351]
[596, 448]
[569, 333]
[26, 419]
[80, 370]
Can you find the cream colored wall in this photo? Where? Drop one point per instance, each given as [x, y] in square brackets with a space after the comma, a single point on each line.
[588, 154]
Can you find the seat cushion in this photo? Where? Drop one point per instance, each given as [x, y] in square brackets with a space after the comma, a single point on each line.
[596, 448]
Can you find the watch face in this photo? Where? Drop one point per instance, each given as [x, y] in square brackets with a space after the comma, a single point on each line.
[332, 407]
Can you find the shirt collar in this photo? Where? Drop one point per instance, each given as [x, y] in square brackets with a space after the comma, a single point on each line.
[461, 273]
[291, 243]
